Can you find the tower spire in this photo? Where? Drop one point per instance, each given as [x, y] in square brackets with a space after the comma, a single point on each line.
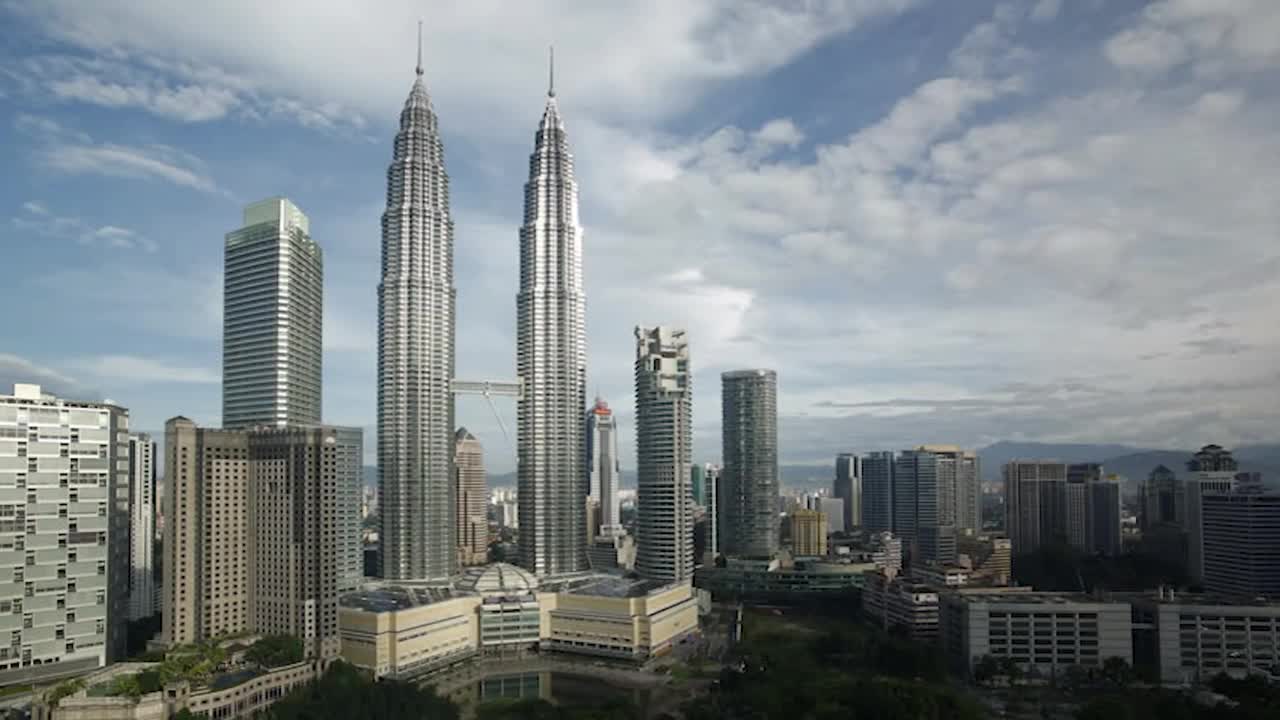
[419, 68]
[551, 72]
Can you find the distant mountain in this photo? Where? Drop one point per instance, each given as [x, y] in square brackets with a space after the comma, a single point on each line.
[995, 456]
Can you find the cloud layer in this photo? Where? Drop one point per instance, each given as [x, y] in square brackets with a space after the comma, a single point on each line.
[1055, 222]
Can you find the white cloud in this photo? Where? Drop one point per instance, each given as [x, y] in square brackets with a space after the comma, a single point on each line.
[16, 369]
[41, 222]
[142, 163]
[134, 369]
[1046, 10]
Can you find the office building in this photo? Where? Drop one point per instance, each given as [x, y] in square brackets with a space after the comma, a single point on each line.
[901, 603]
[749, 400]
[471, 514]
[143, 599]
[886, 551]
[206, 533]
[988, 559]
[664, 447]
[416, 324]
[1044, 633]
[1191, 639]
[711, 477]
[780, 579]
[698, 484]
[604, 468]
[808, 533]
[877, 492]
[833, 508]
[1102, 518]
[1163, 499]
[64, 534]
[1211, 470]
[1241, 543]
[272, 319]
[1035, 503]
[923, 507]
[847, 487]
[298, 523]
[959, 488]
[551, 359]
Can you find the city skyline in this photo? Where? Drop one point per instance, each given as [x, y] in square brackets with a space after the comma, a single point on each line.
[310, 129]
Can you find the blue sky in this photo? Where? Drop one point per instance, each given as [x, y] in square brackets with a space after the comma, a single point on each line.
[939, 221]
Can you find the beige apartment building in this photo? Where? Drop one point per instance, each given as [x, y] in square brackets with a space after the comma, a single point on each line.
[259, 532]
[206, 534]
[808, 533]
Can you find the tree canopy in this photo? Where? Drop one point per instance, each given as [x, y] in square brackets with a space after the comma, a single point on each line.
[345, 693]
[275, 651]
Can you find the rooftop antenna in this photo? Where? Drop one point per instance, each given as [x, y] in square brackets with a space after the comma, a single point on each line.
[551, 73]
[419, 68]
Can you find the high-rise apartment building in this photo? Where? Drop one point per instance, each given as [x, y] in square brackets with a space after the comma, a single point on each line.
[808, 533]
[923, 507]
[877, 492]
[604, 468]
[1163, 499]
[1035, 503]
[472, 513]
[64, 534]
[272, 320]
[551, 359]
[1241, 543]
[416, 318]
[711, 477]
[664, 448]
[263, 531]
[298, 526]
[143, 599]
[1211, 470]
[206, 533]
[958, 481]
[749, 401]
[848, 488]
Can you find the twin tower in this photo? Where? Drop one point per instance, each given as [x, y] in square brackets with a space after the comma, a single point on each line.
[417, 348]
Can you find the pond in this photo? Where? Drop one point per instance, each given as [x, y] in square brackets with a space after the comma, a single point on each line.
[559, 687]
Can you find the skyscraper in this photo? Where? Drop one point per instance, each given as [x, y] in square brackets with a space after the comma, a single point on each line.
[64, 535]
[808, 532]
[206, 533]
[848, 487]
[272, 320]
[1035, 503]
[1211, 470]
[142, 527]
[603, 466]
[1241, 542]
[551, 359]
[299, 512]
[749, 403]
[922, 507]
[472, 514]
[877, 492]
[1163, 501]
[664, 448]
[958, 480]
[416, 305]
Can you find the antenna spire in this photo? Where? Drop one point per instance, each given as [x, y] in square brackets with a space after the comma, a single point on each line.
[419, 68]
[551, 73]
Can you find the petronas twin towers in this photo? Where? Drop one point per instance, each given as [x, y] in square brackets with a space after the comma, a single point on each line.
[416, 349]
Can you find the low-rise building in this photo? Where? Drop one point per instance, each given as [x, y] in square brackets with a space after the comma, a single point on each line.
[902, 603]
[1043, 632]
[404, 630]
[781, 579]
[1192, 638]
[227, 696]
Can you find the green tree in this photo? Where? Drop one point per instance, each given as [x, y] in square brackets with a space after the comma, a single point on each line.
[985, 670]
[275, 651]
[345, 693]
[1117, 672]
